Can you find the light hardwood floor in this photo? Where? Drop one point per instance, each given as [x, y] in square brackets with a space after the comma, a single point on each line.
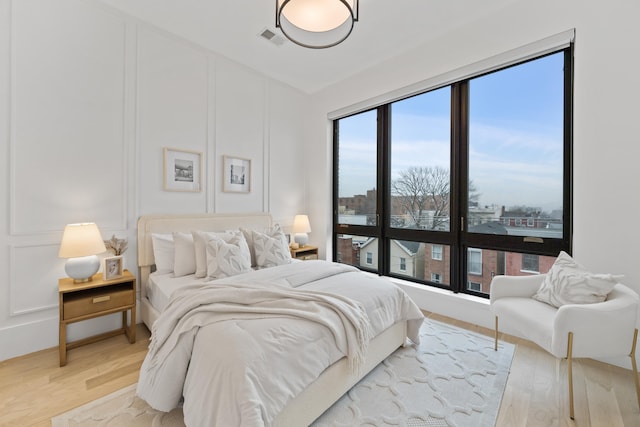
[33, 388]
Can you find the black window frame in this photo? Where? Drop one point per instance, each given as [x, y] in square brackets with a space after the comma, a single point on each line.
[458, 238]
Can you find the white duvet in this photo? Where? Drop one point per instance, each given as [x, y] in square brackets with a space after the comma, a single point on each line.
[238, 349]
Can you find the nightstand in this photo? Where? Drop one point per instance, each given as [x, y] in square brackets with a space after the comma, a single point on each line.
[96, 298]
[305, 253]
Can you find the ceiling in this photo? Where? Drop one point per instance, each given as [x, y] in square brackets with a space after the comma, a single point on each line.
[231, 28]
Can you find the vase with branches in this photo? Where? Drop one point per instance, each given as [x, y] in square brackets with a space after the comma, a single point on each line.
[115, 245]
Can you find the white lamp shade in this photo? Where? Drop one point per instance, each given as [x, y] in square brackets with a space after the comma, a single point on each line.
[301, 224]
[79, 240]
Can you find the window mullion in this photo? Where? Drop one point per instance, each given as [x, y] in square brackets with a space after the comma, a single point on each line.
[384, 179]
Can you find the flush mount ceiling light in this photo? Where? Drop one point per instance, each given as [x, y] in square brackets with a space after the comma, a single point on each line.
[316, 24]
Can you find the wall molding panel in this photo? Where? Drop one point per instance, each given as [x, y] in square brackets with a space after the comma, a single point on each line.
[31, 288]
[92, 96]
[79, 64]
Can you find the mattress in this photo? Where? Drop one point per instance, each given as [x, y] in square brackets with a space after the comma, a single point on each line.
[161, 285]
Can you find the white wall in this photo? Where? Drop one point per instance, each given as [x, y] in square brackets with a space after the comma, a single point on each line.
[88, 99]
[606, 128]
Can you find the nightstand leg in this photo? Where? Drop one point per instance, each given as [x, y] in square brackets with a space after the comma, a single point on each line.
[132, 328]
[63, 344]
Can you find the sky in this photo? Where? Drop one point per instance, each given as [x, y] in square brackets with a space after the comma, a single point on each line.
[515, 141]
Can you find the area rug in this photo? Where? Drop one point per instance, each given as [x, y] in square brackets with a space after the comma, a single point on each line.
[453, 378]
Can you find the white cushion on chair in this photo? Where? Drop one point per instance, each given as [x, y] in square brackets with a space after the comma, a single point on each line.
[568, 282]
[530, 318]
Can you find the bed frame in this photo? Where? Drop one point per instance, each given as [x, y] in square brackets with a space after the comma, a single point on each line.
[335, 381]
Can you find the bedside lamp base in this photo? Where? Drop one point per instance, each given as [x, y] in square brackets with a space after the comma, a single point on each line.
[82, 269]
[301, 239]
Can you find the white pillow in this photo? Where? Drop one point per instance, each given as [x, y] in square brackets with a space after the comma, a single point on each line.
[270, 250]
[273, 231]
[163, 252]
[226, 259]
[248, 235]
[184, 254]
[568, 282]
[201, 238]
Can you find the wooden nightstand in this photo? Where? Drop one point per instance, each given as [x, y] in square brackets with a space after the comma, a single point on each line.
[305, 253]
[96, 298]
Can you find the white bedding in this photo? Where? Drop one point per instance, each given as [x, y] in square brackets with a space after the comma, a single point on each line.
[243, 372]
[160, 286]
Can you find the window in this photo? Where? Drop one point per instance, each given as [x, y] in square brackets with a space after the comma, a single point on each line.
[530, 262]
[436, 252]
[475, 262]
[474, 286]
[476, 175]
[403, 264]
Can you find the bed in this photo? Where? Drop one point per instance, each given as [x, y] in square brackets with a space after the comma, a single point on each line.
[329, 384]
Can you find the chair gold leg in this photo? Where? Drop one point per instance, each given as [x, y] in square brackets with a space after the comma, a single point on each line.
[570, 373]
[495, 346]
[634, 364]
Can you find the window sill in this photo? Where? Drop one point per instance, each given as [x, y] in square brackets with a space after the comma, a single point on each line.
[468, 308]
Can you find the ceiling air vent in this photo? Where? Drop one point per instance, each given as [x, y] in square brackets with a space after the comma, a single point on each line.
[272, 37]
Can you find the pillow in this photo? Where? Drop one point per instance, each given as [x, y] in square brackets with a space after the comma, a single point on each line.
[163, 252]
[201, 238]
[270, 250]
[226, 258]
[273, 231]
[184, 254]
[249, 238]
[567, 282]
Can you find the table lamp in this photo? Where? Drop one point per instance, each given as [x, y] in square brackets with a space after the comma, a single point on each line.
[301, 227]
[80, 244]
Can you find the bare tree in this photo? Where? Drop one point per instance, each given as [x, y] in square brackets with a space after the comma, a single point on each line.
[422, 190]
[419, 190]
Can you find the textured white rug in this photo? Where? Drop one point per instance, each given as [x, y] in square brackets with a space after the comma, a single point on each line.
[454, 378]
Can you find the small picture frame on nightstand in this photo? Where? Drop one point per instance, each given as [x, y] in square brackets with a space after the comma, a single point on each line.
[112, 268]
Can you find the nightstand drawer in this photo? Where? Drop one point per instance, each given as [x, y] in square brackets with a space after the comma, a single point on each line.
[93, 301]
[307, 257]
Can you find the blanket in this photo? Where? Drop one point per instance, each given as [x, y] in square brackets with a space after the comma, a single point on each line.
[164, 369]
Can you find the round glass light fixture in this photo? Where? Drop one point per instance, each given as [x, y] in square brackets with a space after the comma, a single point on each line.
[316, 24]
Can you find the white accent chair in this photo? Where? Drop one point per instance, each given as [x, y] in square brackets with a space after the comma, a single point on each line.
[605, 329]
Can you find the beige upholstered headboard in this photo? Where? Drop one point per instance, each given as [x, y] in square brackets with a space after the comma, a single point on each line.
[149, 224]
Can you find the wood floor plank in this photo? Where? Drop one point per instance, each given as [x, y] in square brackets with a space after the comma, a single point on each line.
[34, 388]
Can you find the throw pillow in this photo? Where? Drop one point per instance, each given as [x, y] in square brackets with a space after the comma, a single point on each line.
[201, 238]
[273, 231]
[226, 259]
[568, 282]
[270, 250]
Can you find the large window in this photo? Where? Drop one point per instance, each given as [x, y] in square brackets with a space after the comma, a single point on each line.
[457, 184]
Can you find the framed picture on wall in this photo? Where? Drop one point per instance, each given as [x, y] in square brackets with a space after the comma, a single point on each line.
[182, 170]
[112, 268]
[237, 175]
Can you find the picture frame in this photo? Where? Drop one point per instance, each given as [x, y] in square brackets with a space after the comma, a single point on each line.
[113, 268]
[237, 175]
[182, 170]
